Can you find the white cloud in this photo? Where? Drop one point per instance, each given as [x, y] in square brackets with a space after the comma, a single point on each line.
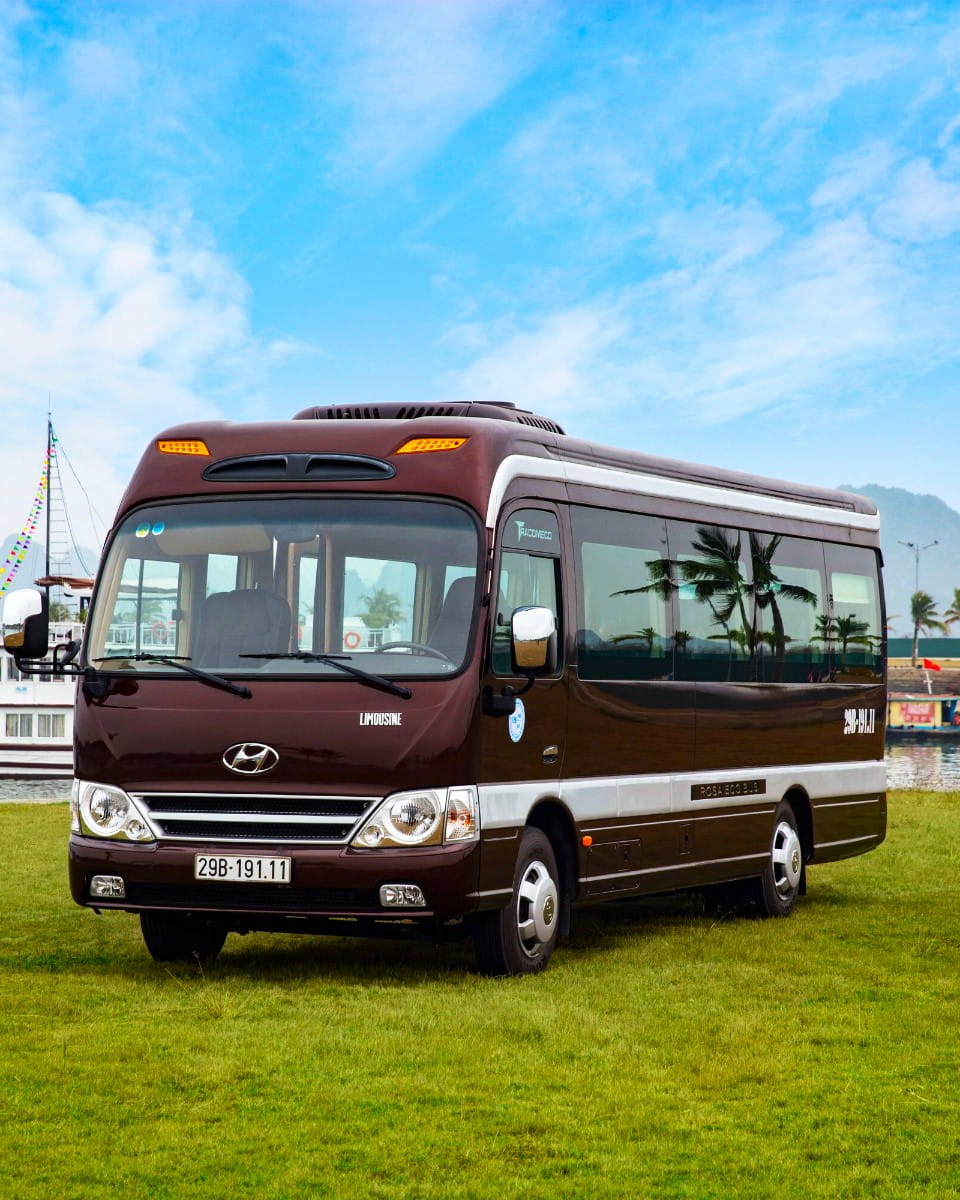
[753, 320]
[552, 367]
[102, 73]
[832, 76]
[122, 319]
[855, 177]
[414, 73]
[922, 206]
[575, 157]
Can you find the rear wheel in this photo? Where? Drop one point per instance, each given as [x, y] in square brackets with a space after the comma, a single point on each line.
[519, 939]
[779, 885]
[180, 937]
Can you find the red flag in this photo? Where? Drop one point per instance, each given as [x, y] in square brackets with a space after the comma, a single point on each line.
[929, 665]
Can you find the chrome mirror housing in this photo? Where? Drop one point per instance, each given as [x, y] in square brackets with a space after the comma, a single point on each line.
[534, 639]
[25, 624]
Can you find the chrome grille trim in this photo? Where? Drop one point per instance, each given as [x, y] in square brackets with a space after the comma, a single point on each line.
[255, 817]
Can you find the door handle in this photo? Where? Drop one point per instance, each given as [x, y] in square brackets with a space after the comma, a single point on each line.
[550, 755]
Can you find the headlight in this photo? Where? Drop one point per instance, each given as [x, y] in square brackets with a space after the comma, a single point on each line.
[107, 812]
[425, 818]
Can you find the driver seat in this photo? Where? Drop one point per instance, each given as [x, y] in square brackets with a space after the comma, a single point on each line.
[449, 634]
[248, 621]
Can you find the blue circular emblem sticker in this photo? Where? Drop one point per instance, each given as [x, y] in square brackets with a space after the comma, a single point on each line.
[142, 529]
[158, 527]
[516, 721]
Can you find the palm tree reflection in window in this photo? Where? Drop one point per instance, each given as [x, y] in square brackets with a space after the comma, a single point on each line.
[848, 631]
[736, 603]
[768, 591]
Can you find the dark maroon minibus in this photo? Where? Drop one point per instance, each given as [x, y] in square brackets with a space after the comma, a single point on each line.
[444, 671]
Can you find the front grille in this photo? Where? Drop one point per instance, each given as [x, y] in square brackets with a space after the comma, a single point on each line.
[253, 897]
[215, 817]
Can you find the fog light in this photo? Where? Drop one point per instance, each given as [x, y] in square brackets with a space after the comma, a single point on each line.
[402, 895]
[107, 887]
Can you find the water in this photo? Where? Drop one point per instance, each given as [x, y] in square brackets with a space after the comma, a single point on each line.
[931, 764]
[35, 791]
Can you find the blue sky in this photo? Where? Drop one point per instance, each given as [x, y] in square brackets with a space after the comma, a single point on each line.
[722, 232]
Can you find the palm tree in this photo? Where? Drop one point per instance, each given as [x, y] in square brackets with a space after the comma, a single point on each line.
[923, 613]
[383, 609]
[766, 588]
[850, 629]
[719, 583]
[952, 615]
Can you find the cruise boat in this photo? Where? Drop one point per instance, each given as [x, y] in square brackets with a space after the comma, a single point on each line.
[36, 710]
[923, 714]
[36, 718]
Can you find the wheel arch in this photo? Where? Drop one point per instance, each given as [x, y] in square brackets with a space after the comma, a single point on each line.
[799, 801]
[553, 819]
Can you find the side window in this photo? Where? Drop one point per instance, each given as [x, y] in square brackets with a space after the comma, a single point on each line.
[714, 638]
[524, 579]
[624, 631]
[222, 573]
[306, 592]
[525, 576]
[145, 608]
[378, 600]
[854, 632]
[791, 608]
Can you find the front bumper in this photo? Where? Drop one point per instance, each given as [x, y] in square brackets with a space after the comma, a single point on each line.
[326, 882]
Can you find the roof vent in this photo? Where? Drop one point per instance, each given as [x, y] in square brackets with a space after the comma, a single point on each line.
[276, 468]
[502, 411]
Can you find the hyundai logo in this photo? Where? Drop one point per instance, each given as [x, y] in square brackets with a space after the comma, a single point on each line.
[250, 758]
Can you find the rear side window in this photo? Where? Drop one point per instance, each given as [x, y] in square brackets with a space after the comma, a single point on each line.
[853, 634]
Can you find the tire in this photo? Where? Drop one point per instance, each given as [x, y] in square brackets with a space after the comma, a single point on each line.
[779, 885]
[180, 937]
[519, 939]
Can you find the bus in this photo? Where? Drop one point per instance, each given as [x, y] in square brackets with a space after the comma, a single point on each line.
[445, 671]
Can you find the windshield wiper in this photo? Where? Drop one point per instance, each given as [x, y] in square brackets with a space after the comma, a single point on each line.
[170, 660]
[336, 660]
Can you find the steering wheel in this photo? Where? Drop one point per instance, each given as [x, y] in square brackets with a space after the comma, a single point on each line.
[417, 648]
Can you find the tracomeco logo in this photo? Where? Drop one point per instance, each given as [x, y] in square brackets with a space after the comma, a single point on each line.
[527, 532]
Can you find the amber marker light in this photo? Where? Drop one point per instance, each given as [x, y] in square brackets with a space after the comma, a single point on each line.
[186, 446]
[587, 841]
[425, 445]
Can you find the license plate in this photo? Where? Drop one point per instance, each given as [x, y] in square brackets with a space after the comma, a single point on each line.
[242, 868]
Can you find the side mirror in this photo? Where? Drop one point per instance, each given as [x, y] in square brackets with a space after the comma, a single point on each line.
[534, 642]
[26, 624]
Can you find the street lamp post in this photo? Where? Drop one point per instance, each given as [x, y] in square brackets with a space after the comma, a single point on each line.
[917, 551]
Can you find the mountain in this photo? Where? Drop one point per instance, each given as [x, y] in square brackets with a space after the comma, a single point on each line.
[33, 564]
[913, 517]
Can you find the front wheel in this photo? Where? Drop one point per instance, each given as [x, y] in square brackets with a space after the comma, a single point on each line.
[180, 937]
[780, 883]
[519, 939]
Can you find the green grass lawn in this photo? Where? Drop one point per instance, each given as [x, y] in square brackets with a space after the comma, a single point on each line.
[663, 1054]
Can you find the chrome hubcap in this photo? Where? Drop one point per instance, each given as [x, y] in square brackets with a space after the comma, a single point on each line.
[787, 859]
[536, 909]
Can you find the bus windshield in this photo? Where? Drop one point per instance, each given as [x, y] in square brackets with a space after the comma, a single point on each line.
[262, 586]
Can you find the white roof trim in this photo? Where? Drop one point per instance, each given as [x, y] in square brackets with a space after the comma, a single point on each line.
[637, 483]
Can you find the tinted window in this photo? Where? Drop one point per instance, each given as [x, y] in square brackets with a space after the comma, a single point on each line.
[854, 632]
[624, 631]
[790, 602]
[715, 638]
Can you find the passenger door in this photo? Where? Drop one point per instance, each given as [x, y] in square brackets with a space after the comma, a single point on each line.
[529, 745]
